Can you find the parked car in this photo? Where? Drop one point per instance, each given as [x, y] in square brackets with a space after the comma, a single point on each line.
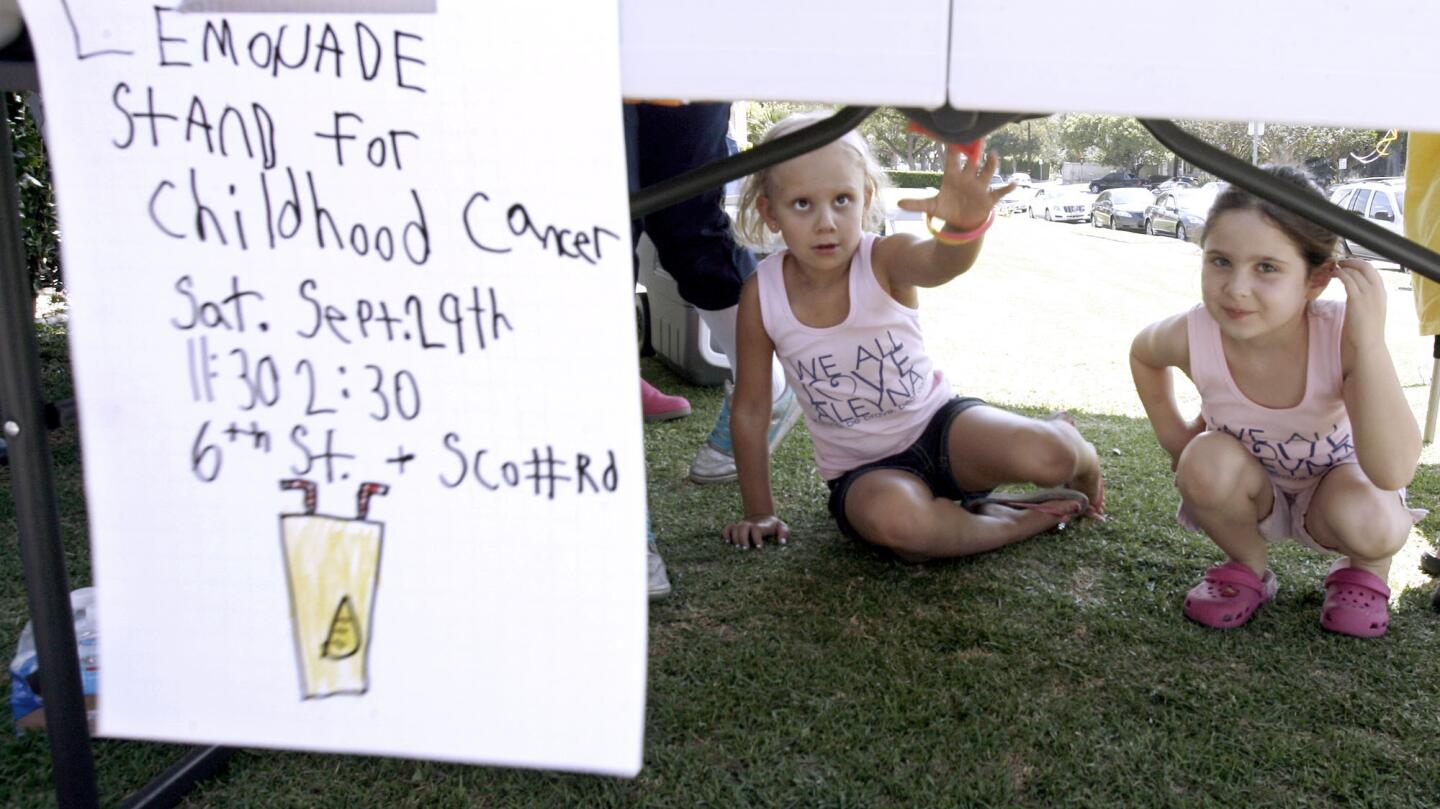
[898, 220]
[1380, 200]
[1017, 201]
[1174, 184]
[1020, 178]
[1061, 203]
[1042, 193]
[1121, 208]
[1179, 213]
[1116, 179]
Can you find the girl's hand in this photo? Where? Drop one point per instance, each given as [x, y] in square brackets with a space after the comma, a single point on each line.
[1364, 303]
[751, 531]
[965, 199]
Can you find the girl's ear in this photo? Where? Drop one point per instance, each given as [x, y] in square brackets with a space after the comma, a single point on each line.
[762, 207]
[1320, 278]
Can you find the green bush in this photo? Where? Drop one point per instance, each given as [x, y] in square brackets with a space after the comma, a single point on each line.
[38, 225]
[914, 179]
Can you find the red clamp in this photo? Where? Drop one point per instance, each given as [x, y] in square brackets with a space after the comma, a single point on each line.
[971, 150]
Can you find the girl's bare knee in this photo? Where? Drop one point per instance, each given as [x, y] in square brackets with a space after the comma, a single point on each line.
[910, 535]
[1050, 453]
[1372, 527]
[1214, 470]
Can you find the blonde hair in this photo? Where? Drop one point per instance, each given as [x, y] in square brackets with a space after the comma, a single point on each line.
[750, 226]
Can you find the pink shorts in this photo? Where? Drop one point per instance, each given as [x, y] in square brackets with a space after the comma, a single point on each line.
[1287, 517]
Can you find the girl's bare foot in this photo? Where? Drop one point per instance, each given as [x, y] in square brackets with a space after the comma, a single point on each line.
[1029, 521]
[1090, 480]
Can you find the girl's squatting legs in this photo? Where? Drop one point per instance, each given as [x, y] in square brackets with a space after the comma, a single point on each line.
[1227, 493]
[1350, 515]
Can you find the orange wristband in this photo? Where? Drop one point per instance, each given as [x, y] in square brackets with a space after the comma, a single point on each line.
[954, 238]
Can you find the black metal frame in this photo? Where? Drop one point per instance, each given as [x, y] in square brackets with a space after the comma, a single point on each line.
[1400, 249]
[47, 586]
[960, 126]
[23, 408]
[33, 484]
[684, 186]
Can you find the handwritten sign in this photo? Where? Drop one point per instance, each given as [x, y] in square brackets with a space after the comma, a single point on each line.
[352, 329]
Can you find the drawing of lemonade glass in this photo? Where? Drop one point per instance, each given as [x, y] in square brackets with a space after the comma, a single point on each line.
[332, 566]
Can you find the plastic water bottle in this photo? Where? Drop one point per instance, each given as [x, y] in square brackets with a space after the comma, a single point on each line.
[87, 646]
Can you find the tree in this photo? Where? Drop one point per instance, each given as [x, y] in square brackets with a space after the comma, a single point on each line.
[887, 130]
[1230, 137]
[1318, 148]
[1321, 148]
[762, 115]
[1110, 139]
[1028, 145]
[38, 225]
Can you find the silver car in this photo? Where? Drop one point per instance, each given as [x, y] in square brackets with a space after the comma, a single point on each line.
[1121, 208]
[1179, 213]
[1380, 200]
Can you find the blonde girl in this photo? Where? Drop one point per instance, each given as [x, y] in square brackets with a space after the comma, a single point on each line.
[910, 465]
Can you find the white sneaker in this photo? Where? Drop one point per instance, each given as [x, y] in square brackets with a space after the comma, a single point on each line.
[656, 576]
[715, 461]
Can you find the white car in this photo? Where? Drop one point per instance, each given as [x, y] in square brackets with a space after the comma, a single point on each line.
[1380, 200]
[1016, 201]
[901, 221]
[1062, 203]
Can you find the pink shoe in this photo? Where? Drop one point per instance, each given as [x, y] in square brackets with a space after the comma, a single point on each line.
[659, 406]
[1356, 603]
[1228, 596]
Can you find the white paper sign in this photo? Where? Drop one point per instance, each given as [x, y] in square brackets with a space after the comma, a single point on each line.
[353, 334]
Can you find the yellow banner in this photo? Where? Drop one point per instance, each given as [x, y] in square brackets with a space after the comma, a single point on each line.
[1422, 219]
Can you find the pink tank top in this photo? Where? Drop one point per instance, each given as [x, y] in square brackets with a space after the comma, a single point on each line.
[866, 385]
[1296, 445]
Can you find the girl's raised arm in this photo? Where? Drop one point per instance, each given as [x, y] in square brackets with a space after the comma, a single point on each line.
[750, 423]
[1387, 439]
[967, 205]
[1156, 349]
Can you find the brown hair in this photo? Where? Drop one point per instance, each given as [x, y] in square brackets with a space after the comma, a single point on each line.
[1315, 243]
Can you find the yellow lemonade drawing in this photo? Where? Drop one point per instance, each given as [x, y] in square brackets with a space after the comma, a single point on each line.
[332, 566]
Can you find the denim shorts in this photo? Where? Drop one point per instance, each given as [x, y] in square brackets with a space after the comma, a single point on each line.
[928, 459]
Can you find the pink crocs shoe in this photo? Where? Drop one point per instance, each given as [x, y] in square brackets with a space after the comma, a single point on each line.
[1356, 603]
[1228, 596]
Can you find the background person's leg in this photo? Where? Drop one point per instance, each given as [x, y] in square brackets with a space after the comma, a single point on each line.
[721, 324]
[693, 237]
[696, 246]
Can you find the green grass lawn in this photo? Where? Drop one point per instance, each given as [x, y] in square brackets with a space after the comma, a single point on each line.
[1056, 672]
